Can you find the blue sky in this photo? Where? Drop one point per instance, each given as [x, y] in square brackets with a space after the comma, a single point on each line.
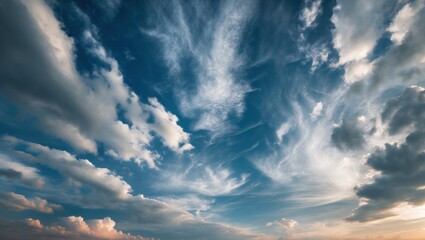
[212, 119]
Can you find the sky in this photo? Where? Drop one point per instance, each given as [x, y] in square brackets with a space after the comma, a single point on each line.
[237, 119]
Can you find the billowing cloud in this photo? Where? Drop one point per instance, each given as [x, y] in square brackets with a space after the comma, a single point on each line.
[167, 128]
[358, 26]
[60, 99]
[73, 227]
[18, 202]
[400, 166]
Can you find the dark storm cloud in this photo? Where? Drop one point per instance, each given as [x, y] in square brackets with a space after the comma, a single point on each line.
[406, 111]
[348, 136]
[401, 166]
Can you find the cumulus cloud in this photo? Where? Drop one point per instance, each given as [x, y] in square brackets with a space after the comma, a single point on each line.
[358, 26]
[59, 98]
[400, 166]
[167, 128]
[218, 93]
[77, 227]
[18, 202]
[310, 12]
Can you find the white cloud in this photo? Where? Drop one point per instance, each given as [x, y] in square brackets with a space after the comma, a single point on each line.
[77, 227]
[167, 128]
[358, 25]
[18, 202]
[190, 203]
[83, 171]
[63, 101]
[218, 93]
[357, 70]
[317, 110]
[204, 180]
[310, 12]
[400, 26]
[282, 130]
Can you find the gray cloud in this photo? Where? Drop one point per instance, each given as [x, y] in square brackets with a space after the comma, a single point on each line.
[18, 202]
[348, 136]
[406, 111]
[401, 166]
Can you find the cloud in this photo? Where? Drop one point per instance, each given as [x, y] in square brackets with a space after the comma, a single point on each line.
[76, 227]
[204, 180]
[284, 223]
[83, 171]
[218, 93]
[61, 100]
[17, 172]
[18, 202]
[348, 136]
[402, 22]
[405, 112]
[110, 191]
[310, 12]
[400, 166]
[166, 127]
[317, 110]
[358, 25]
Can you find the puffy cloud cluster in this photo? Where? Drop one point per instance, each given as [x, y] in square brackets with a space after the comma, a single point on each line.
[401, 167]
[18, 202]
[63, 103]
[73, 227]
[358, 26]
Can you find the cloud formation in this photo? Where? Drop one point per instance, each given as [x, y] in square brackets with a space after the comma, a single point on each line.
[18, 202]
[400, 166]
[73, 227]
[62, 101]
[218, 92]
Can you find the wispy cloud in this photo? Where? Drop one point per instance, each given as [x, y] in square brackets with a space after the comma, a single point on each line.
[219, 90]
